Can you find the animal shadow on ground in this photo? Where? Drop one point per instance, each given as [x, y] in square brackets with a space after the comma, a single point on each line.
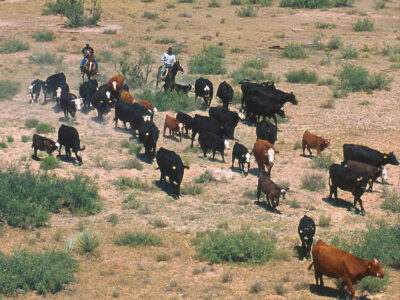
[165, 187]
[299, 251]
[333, 293]
[238, 170]
[35, 158]
[98, 120]
[119, 129]
[341, 203]
[264, 205]
[254, 171]
[64, 158]
[172, 138]
[142, 157]
[57, 109]
[87, 110]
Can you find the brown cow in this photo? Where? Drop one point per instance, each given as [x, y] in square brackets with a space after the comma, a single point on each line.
[174, 126]
[126, 97]
[264, 153]
[368, 170]
[272, 191]
[42, 143]
[149, 106]
[336, 263]
[312, 141]
[115, 83]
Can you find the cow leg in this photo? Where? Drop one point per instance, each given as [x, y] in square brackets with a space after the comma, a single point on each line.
[350, 286]
[309, 150]
[233, 161]
[304, 147]
[370, 188]
[362, 208]
[258, 193]
[35, 152]
[223, 156]
[126, 128]
[193, 137]
[213, 152]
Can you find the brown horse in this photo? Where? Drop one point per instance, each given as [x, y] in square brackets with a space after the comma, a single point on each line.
[89, 68]
[169, 75]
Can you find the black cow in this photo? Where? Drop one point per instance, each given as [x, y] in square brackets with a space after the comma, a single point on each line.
[225, 93]
[265, 130]
[62, 88]
[69, 137]
[148, 135]
[203, 123]
[227, 118]
[347, 180]
[113, 95]
[241, 153]
[52, 83]
[87, 90]
[70, 104]
[211, 141]
[42, 143]
[35, 88]
[172, 86]
[186, 120]
[125, 87]
[134, 114]
[368, 156]
[102, 102]
[306, 232]
[204, 88]
[170, 164]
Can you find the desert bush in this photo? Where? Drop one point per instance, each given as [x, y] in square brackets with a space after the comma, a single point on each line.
[380, 4]
[49, 163]
[10, 139]
[163, 256]
[175, 101]
[305, 3]
[130, 202]
[320, 25]
[133, 163]
[294, 51]
[279, 288]
[312, 182]
[391, 199]
[87, 242]
[166, 40]
[25, 138]
[8, 89]
[255, 64]
[3, 145]
[343, 3]
[104, 56]
[374, 285]
[208, 61]
[150, 15]
[135, 239]
[257, 286]
[147, 1]
[393, 52]
[45, 58]
[236, 2]
[191, 189]
[363, 25]
[43, 35]
[185, 1]
[158, 223]
[44, 128]
[294, 204]
[110, 31]
[247, 73]
[248, 11]
[322, 161]
[31, 123]
[226, 277]
[236, 50]
[301, 76]
[240, 246]
[214, 3]
[113, 219]
[349, 53]
[324, 221]
[205, 177]
[13, 45]
[45, 272]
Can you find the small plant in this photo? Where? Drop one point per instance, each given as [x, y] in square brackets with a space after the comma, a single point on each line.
[363, 25]
[110, 31]
[163, 256]
[208, 61]
[31, 123]
[158, 223]
[373, 285]
[25, 138]
[214, 3]
[255, 64]
[349, 53]
[8, 89]
[44, 128]
[312, 182]
[247, 73]
[205, 177]
[185, 1]
[13, 45]
[305, 3]
[322, 161]
[150, 15]
[46, 58]
[191, 189]
[120, 43]
[49, 163]
[319, 25]
[335, 43]
[87, 242]
[133, 164]
[294, 204]
[147, 1]
[257, 286]
[145, 209]
[43, 35]
[104, 56]
[279, 288]
[131, 202]
[236, 2]
[113, 219]
[324, 221]
[281, 255]
[293, 51]
[343, 3]
[226, 277]
[10, 139]
[391, 200]
[166, 40]
[135, 239]
[170, 5]
[3, 145]
[392, 52]
[248, 11]
[297, 145]
[301, 76]
[380, 5]
[236, 50]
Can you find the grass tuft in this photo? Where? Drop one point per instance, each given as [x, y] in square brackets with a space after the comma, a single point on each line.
[301, 76]
[43, 35]
[312, 182]
[324, 221]
[208, 61]
[248, 11]
[363, 25]
[87, 242]
[13, 45]
[391, 200]
[257, 286]
[135, 239]
[322, 161]
[46, 58]
[31, 123]
[45, 128]
[49, 163]
[205, 177]
[8, 89]
[294, 51]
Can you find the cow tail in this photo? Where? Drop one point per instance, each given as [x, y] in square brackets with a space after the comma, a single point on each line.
[83, 148]
[309, 268]
[330, 180]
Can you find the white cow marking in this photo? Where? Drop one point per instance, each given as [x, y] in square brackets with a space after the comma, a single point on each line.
[247, 157]
[58, 145]
[58, 92]
[226, 144]
[78, 103]
[155, 110]
[241, 116]
[206, 88]
[31, 87]
[180, 125]
[147, 118]
[271, 155]
[384, 174]
[114, 83]
[108, 94]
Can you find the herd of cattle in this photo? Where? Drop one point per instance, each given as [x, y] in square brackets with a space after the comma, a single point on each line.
[361, 165]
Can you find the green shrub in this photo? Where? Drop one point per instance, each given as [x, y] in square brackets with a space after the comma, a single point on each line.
[391, 199]
[256, 287]
[25, 138]
[25, 270]
[343, 3]
[363, 25]
[248, 73]
[185, 1]
[279, 288]
[335, 43]
[265, 2]
[208, 61]
[312, 182]
[191, 189]
[205, 177]
[322, 161]
[236, 50]
[133, 164]
[163, 256]
[393, 52]
[31, 123]
[123, 183]
[158, 223]
[131, 202]
[110, 31]
[214, 3]
[8, 89]
[50, 163]
[166, 40]
[46, 58]
[248, 11]
[3, 145]
[373, 285]
[13, 45]
[87, 242]
[380, 4]
[43, 35]
[135, 239]
[305, 3]
[175, 101]
[113, 219]
[236, 2]
[44, 128]
[147, 1]
[255, 64]
[150, 15]
[240, 246]
[319, 25]
[293, 51]
[10, 139]
[301, 76]
[349, 53]
[104, 56]
[170, 5]
[294, 204]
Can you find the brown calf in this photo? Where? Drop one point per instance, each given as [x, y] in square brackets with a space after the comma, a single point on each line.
[149, 106]
[174, 126]
[264, 153]
[126, 97]
[370, 171]
[44, 144]
[336, 263]
[271, 190]
[115, 83]
[312, 141]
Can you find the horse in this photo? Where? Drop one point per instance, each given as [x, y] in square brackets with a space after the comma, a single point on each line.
[89, 68]
[170, 74]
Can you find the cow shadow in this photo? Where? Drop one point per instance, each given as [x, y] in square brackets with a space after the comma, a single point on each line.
[172, 138]
[165, 187]
[96, 119]
[254, 171]
[299, 251]
[143, 158]
[264, 205]
[122, 129]
[333, 293]
[57, 108]
[341, 203]
[64, 158]
[87, 110]
[35, 158]
[238, 170]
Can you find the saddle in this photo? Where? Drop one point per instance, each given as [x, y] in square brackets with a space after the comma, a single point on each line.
[164, 74]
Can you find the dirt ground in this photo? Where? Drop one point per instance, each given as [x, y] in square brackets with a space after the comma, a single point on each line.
[134, 273]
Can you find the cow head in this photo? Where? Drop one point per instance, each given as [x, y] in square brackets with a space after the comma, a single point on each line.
[78, 103]
[384, 174]
[375, 268]
[292, 98]
[283, 193]
[361, 182]
[105, 106]
[325, 144]
[248, 157]
[226, 145]
[281, 112]
[108, 95]
[390, 159]
[57, 144]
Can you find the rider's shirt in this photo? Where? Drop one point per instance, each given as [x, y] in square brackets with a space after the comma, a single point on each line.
[169, 58]
[88, 50]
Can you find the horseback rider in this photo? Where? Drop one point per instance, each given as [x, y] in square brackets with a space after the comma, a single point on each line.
[168, 58]
[87, 52]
